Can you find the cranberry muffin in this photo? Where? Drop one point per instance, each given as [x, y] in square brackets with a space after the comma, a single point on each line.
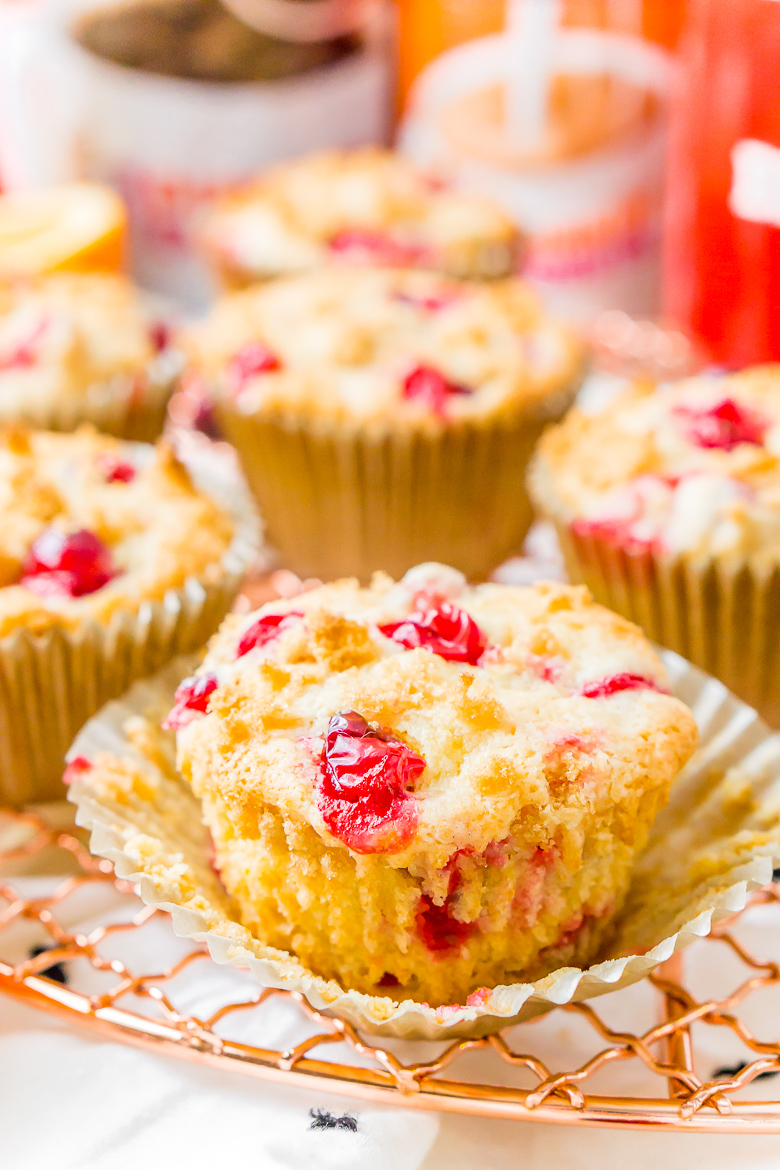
[111, 562]
[81, 347]
[385, 416]
[366, 206]
[676, 521]
[429, 787]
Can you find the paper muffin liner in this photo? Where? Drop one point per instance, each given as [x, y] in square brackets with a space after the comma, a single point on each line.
[341, 502]
[717, 840]
[722, 615]
[51, 683]
[127, 406]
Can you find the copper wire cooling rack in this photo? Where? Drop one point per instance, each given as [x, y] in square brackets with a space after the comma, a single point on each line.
[141, 1009]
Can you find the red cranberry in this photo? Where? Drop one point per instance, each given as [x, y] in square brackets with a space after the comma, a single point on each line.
[366, 245]
[116, 470]
[160, 336]
[74, 564]
[264, 630]
[75, 768]
[430, 387]
[616, 532]
[723, 426]
[438, 929]
[25, 353]
[447, 631]
[190, 701]
[252, 359]
[363, 792]
[614, 684]
[429, 304]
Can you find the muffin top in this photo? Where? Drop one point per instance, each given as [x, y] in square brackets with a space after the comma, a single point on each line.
[419, 718]
[356, 207]
[690, 468]
[90, 525]
[389, 346]
[66, 333]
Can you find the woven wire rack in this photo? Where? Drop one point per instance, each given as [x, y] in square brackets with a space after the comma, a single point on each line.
[140, 1008]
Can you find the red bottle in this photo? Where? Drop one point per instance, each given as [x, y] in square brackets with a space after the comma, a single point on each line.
[722, 231]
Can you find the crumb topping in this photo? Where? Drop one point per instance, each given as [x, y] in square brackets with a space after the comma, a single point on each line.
[383, 346]
[92, 525]
[356, 207]
[690, 468]
[68, 334]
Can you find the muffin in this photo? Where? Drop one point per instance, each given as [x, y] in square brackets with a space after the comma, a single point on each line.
[667, 504]
[366, 206]
[385, 416]
[111, 563]
[427, 787]
[81, 347]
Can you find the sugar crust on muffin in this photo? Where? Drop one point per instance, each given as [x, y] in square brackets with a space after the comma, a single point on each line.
[534, 757]
[91, 526]
[353, 207]
[67, 335]
[384, 346]
[685, 469]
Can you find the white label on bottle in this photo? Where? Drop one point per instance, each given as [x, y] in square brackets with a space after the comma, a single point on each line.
[755, 181]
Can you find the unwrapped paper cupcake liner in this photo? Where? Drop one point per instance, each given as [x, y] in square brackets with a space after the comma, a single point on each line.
[717, 839]
[340, 502]
[51, 683]
[127, 406]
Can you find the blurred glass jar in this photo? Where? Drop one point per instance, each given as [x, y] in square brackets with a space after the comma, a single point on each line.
[722, 230]
[557, 108]
[173, 102]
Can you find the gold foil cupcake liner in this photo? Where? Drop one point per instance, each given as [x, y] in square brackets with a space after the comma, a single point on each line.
[341, 502]
[717, 840]
[51, 683]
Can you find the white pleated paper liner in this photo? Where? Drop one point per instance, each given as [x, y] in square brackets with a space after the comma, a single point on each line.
[715, 842]
[51, 683]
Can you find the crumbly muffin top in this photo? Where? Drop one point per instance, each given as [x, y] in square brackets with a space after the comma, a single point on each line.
[65, 333]
[418, 718]
[90, 525]
[361, 206]
[690, 468]
[384, 345]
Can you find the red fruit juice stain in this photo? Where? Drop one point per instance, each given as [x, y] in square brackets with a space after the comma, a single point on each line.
[613, 685]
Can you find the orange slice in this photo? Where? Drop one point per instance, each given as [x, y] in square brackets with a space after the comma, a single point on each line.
[76, 226]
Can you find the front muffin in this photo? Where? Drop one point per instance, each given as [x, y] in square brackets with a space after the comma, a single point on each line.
[384, 417]
[367, 206]
[81, 347]
[111, 562]
[426, 787]
[668, 507]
